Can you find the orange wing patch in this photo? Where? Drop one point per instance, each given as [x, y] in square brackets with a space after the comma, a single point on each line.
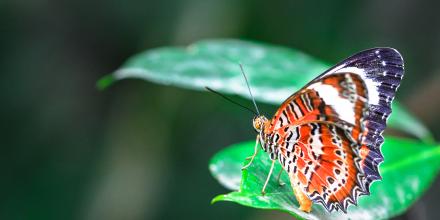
[326, 166]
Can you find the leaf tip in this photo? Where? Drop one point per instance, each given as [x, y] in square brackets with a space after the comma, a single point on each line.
[217, 199]
[105, 82]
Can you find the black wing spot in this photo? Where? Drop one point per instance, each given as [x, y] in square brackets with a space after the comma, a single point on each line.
[330, 180]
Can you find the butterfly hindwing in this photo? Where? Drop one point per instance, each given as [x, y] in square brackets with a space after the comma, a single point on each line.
[324, 161]
[331, 130]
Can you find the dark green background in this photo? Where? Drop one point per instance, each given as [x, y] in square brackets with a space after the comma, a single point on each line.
[140, 150]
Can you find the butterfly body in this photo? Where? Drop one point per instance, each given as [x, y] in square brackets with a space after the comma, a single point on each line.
[327, 136]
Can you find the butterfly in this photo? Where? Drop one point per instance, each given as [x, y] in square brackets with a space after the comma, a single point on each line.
[328, 135]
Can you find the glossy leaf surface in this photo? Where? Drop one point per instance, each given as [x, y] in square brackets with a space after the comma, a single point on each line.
[274, 72]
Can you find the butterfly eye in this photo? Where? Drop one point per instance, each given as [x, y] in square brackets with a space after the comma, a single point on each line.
[257, 124]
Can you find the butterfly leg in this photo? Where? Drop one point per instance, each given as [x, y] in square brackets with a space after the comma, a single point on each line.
[268, 177]
[279, 178]
[305, 204]
[253, 155]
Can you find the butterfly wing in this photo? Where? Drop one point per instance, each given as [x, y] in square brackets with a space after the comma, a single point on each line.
[325, 163]
[350, 104]
[381, 69]
[339, 98]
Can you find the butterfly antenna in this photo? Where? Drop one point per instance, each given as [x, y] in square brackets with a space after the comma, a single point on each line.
[225, 97]
[249, 88]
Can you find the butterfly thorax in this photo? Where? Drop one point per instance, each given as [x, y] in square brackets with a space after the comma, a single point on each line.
[262, 126]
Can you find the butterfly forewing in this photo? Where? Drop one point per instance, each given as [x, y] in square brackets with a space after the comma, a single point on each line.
[329, 133]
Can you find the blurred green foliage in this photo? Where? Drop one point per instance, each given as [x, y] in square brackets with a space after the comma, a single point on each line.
[72, 152]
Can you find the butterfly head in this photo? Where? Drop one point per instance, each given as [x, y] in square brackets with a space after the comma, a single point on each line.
[259, 122]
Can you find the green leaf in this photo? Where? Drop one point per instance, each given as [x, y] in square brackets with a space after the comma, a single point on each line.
[274, 72]
[408, 170]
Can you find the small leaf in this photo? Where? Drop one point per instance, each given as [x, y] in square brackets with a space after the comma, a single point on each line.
[408, 170]
[274, 72]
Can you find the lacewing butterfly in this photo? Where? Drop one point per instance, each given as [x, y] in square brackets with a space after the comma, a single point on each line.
[328, 135]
